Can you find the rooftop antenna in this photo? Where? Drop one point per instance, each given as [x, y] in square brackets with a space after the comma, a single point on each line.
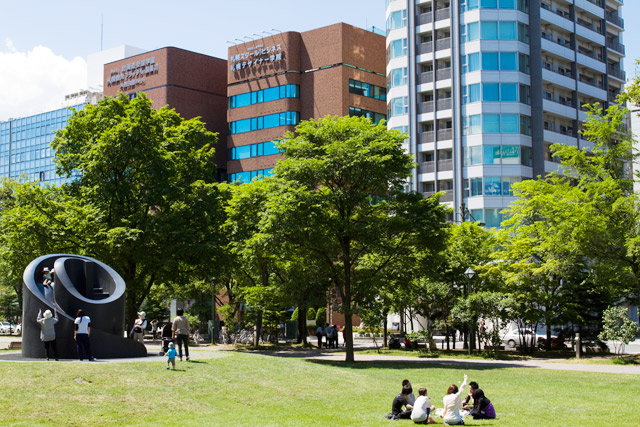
[258, 35]
[273, 29]
[247, 37]
[267, 32]
[233, 43]
[241, 41]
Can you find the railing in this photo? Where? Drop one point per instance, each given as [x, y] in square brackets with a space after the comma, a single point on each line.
[443, 104]
[586, 24]
[566, 72]
[614, 19]
[429, 136]
[560, 100]
[425, 107]
[426, 47]
[445, 165]
[444, 13]
[426, 77]
[443, 73]
[590, 53]
[618, 47]
[444, 134]
[425, 18]
[428, 167]
[444, 43]
[446, 197]
[616, 72]
[612, 97]
[591, 82]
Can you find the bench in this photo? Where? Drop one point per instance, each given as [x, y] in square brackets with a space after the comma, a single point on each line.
[15, 345]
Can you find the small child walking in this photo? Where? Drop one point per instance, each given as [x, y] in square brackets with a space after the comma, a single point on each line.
[171, 355]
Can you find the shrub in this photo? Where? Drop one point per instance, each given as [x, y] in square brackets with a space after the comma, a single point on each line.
[321, 316]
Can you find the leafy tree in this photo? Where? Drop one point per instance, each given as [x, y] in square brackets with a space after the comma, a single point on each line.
[617, 327]
[338, 194]
[147, 180]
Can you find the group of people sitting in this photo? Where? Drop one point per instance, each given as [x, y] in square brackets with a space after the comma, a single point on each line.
[406, 406]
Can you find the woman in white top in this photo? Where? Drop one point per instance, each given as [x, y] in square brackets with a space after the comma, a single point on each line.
[452, 404]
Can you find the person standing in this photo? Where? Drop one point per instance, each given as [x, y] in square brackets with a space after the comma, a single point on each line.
[154, 328]
[328, 331]
[319, 332]
[180, 332]
[171, 356]
[48, 331]
[81, 335]
[138, 327]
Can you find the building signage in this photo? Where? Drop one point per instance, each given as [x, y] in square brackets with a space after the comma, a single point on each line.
[255, 57]
[133, 73]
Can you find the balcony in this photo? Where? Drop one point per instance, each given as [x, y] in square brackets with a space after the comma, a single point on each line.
[590, 81]
[443, 73]
[563, 71]
[425, 18]
[618, 47]
[445, 165]
[587, 24]
[445, 134]
[428, 167]
[443, 104]
[444, 13]
[590, 53]
[616, 72]
[426, 137]
[562, 100]
[426, 47]
[426, 77]
[614, 19]
[443, 43]
[425, 107]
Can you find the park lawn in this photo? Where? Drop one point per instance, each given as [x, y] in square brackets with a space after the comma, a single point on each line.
[238, 389]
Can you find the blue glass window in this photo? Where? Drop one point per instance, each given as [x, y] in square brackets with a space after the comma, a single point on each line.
[472, 4]
[489, 4]
[474, 62]
[398, 106]
[368, 90]
[264, 95]
[508, 31]
[510, 154]
[509, 123]
[509, 61]
[475, 185]
[491, 123]
[474, 92]
[474, 124]
[490, 61]
[491, 92]
[473, 31]
[509, 92]
[492, 186]
[398, 48]
[489, 30]
[507, 4]
[397, 19]
[264, 122]
[398, 77]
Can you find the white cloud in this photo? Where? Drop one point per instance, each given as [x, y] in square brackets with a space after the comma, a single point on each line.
[37, 81]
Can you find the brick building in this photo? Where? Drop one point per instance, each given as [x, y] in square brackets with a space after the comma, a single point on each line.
[276, 81]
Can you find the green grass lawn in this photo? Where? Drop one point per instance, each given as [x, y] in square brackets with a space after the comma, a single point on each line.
[255, 389]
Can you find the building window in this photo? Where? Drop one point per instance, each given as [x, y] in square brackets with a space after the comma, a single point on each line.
[397, 48]
[285, 118]
[248, 176]
[372, 115]
[397, 19]
[264, 95]
[253, 150]
[367, 89]
[397, 77]
[398, 106]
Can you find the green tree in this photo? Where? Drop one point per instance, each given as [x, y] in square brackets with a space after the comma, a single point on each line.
[147, 179]
[338, 194]
[618, 328]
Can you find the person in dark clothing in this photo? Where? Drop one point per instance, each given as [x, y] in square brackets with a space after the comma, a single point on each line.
[482, 407]
[400, 401]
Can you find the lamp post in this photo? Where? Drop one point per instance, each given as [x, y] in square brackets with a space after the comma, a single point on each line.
[470, 273]
[213, 310]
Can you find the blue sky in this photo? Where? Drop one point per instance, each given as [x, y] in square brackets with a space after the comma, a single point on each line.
[44, 43]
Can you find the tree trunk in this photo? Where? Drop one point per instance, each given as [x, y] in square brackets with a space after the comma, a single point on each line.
[447, 333]
[579, 343]
[385, 338]
[265, 282]
[346, 304]
[547, 345]
[302, 325]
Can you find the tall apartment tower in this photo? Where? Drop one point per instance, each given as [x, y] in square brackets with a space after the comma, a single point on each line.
[484, 87]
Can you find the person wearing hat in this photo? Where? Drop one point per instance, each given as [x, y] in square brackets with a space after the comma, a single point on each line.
[171, 356]
[138, 327]
[47, 323]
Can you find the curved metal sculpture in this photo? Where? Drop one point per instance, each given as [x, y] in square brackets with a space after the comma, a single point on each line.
[80, 283]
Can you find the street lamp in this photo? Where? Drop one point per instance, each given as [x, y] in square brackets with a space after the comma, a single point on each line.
[470, 273]
[213, 310]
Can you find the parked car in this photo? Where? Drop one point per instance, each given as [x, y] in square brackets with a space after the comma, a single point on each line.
[17, 329]
[514, 338]
[5, 327]
[557, 343]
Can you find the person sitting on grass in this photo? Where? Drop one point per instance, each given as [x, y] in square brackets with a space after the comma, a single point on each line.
[452, 404]
[422, 408]
[411, 398]
[482, 407]
[400, 401]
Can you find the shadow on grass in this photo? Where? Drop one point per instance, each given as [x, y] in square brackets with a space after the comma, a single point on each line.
[426, 364]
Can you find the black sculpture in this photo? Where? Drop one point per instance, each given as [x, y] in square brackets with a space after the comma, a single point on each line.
[79, 283]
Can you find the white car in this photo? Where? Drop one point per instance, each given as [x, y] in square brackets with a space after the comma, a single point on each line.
[5, 327]
[513, 338]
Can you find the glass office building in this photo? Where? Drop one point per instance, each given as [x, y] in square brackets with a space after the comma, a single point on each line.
[25, 151]
[485, 87]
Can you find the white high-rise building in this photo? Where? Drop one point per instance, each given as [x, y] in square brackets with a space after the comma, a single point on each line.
[484, 87]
